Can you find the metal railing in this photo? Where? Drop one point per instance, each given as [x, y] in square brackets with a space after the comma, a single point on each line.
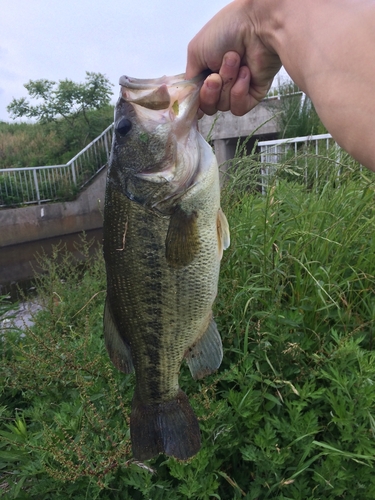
[275, 151]
[36, 185]
[275, 94]
[296, 151]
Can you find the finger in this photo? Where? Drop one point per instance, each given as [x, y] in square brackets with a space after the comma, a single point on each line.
[228, 72]
[193, 65]
[210, 94]
[200, 114]
[241, 101]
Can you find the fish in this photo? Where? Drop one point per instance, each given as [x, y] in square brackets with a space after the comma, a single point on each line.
[164, 234]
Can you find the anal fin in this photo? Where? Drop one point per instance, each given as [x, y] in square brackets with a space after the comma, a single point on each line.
[118, 350]
[206, 354]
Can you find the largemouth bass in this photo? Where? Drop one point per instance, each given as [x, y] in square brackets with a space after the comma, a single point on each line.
[164, 236]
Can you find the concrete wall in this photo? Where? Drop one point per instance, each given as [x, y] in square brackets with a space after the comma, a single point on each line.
[20, 225]
[224, 128]
[261, 119]
[30, 231]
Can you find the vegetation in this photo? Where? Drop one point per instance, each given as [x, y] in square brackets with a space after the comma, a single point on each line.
[67, 99]
[69, 116]
[291, 412]
[297, 116]
[55, 143]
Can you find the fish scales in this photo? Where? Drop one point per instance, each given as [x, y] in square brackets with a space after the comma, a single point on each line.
[163, 302]
[163, 239]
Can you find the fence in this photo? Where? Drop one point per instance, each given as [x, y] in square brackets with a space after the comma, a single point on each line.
[304, 152]
[31, 185]
[275, 94]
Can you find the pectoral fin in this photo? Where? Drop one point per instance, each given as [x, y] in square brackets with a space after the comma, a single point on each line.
[182, 243]
[223, 235]
[205, 356]
[118, 350]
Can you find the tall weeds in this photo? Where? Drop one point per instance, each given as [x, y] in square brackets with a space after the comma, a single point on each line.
[32, 145]
[291, 412]
[296, 113]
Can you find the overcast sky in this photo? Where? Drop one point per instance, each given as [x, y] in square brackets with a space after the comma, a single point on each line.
[58, 39]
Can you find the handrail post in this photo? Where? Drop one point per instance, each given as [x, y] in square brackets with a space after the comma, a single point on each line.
[106, 144]
[74, 172]
[36, 185]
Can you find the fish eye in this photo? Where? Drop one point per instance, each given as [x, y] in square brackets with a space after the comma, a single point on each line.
[123, 126]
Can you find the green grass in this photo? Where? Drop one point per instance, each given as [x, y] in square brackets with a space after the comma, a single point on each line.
[291, 412]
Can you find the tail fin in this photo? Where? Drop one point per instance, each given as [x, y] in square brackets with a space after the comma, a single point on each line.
[171, 428]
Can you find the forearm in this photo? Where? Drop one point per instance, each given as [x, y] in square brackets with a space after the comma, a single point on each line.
[328, 48]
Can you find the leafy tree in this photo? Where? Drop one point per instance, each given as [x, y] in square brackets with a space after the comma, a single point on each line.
[65, 99]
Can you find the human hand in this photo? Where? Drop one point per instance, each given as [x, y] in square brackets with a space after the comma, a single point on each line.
[243, 66]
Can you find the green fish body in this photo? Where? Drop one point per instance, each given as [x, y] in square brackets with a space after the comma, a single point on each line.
[164, 235]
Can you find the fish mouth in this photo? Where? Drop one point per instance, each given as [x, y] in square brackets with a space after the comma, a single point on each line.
[173, 97]
[168, 107]
[151, 83]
